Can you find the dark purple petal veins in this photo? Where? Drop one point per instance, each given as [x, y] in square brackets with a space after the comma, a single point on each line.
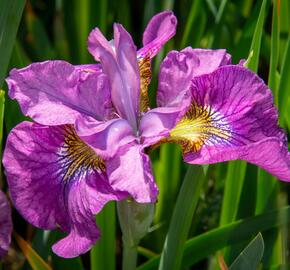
[56, 180]
[5, 224]
[56, 92]
[231, 116]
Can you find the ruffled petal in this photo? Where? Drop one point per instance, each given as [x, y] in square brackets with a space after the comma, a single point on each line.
[107, 138]
[131, 172]
[179, 68]
[56, 92]
[232, 116]
[5, 224]
[119, 61]
[159, 30]
[56, 180]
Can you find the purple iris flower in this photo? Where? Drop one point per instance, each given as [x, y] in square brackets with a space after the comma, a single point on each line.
[5, 224]
[231, 113]
[92, 126]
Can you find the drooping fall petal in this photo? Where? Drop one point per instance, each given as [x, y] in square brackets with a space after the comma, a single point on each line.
[232, 116]
[56, 180]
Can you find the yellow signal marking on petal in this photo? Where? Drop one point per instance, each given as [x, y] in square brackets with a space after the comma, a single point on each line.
[79, 154]
[145, 77]
[197, 127]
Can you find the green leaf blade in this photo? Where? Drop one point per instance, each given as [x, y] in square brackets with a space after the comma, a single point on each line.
[251, 256]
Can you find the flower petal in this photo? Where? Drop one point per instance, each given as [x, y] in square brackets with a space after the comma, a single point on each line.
[56, 92]
[233, 116]
[5, 224]
[157, 123]
[179, 68]
[159, 30]
[131, 172]
[107, 138]
[119, 62]
[55, 179]
[270, 154]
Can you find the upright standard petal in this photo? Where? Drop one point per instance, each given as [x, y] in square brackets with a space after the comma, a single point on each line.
[56, 180]
[179, 68]
[232, 116]
[159, 30]
[5, 225]
[56, 92]
[131, 172]
[119, 62]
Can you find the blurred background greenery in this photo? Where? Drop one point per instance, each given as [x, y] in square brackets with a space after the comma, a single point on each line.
[228, 203]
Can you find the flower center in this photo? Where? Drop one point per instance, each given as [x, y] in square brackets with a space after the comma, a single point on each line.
[199, 126]
[78, 156]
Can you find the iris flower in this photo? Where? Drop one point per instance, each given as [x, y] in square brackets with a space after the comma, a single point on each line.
[93, 125]
[5, 225]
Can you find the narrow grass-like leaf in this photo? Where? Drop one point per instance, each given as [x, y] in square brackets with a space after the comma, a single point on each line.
[194, 10]
[181, 219]
[35, 261]
[146, 252]
[284, 87]
[103, 253]
[2, 101]
[10, 15]
[39, 40]
[251, 256]
[218, 21]
[205, 244]
[274, 58]
[233, 188]
[2, 104]
[257, 38]
[76, 22]
[168, 180]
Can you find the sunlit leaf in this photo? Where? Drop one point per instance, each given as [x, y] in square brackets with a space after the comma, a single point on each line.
[35, 261]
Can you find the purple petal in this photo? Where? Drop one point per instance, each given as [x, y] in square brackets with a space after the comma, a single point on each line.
[270, 154]
[5, 224]
[119, 62]
[159, 30]
[56, 92]
[107, 138]
[56, 180]
[233, 117]
[157, 123]
[131, 172]
[179, 68]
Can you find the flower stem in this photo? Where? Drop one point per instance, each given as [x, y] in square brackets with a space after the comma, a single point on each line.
[135, 219]
[129, 257]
